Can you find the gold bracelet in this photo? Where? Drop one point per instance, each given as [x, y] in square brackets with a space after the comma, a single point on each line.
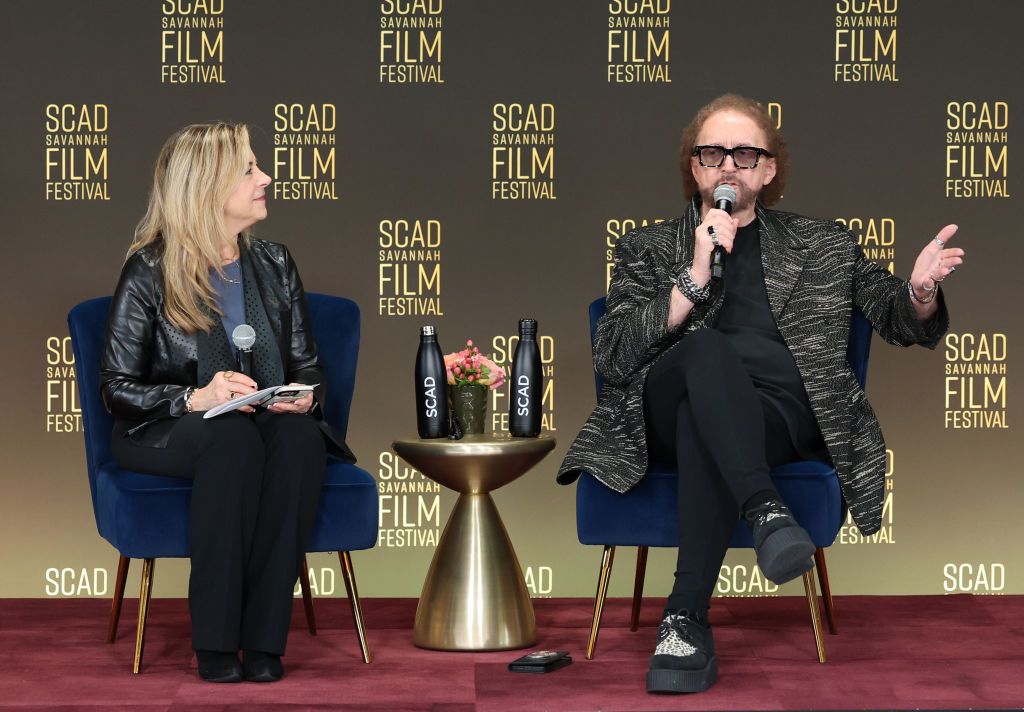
[188, 399]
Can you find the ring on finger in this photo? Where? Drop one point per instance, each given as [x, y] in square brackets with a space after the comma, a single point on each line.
[938, 242]
[228, 375]
[712, 235]
[232, 395]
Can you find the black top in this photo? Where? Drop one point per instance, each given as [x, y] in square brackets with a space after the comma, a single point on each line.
[747, 320]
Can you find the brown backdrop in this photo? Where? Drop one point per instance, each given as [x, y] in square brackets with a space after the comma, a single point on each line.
[465, 164]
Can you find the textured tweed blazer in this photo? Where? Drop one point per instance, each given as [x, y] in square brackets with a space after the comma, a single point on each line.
[815, 272]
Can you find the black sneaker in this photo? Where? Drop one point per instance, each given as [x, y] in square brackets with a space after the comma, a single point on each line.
[784, 549]
[685, 659]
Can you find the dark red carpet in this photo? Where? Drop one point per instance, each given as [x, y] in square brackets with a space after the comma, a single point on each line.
[918, 652]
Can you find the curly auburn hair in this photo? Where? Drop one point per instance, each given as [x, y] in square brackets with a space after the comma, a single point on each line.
[760, 116]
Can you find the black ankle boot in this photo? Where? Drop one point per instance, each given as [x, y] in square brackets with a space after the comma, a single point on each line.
[784, 549]
[685, 659]
[216, 666]
[262, 667]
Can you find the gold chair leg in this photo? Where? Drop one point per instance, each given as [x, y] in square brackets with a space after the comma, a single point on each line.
[607, 558]
[307, 597]
[353, 598]
[638, 586]
[115, 606]
[812, 600]
[826, 592]
[144, 596]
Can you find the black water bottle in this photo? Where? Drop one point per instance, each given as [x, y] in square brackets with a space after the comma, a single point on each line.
[431, 387]
[526, 383]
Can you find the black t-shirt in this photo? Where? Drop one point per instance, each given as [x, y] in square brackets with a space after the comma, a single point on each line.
[746, 319]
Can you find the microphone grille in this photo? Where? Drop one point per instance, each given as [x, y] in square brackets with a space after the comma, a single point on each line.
[725, 192]
[244, 336]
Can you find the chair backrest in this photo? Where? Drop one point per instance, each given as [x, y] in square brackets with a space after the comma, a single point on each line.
[857, 350]
[87, 324]
[335, 324]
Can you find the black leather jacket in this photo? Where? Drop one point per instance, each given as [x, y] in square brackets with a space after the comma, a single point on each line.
[148, 365]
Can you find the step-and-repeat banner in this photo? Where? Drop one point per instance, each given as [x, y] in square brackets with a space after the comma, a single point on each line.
[466, 163]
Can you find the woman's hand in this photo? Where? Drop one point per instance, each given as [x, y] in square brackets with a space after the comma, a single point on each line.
[224, 386]
[302, 405]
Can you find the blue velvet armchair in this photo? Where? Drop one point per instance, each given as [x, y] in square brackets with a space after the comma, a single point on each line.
[646, 515]
[147, 517]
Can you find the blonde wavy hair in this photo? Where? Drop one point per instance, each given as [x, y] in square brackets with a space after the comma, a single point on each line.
[196, 172]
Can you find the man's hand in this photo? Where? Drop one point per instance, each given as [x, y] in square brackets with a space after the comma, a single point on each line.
[724, 227]
[934, 264]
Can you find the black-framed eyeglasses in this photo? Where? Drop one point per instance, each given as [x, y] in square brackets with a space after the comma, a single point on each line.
[742, 156]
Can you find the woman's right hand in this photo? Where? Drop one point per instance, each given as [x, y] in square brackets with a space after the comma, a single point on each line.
[224, 386]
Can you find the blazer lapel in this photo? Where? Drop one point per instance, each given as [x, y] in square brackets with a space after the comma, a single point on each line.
[783, 254]
[685, 235]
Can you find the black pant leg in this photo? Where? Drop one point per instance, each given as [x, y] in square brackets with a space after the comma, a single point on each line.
[706, 373]
[293, 476]
[224, 458]
[707, 515]
[704, 412]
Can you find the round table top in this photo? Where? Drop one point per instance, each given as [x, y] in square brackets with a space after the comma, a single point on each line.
[476, 463]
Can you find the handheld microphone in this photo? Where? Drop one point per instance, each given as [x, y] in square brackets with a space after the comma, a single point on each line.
[243, 337]
[724, 196]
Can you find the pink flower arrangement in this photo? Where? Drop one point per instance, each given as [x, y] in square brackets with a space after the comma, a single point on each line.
[469, 367]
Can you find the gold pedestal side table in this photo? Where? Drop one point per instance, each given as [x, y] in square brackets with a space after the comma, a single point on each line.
[474, 596]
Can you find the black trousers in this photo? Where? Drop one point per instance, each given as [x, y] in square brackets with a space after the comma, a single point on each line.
[256, 486]
[703, 413]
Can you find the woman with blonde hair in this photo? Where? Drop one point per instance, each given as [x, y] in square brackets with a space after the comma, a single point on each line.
[193, 273]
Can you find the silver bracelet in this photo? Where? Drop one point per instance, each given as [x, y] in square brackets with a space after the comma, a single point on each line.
[927, 300]
[689, 288]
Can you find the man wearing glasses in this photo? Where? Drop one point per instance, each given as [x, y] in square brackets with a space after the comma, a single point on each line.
[730, 376]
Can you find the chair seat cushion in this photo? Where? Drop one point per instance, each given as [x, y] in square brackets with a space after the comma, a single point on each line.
[647, 514]
[146, 516]
[347, 519]
[643, 516]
